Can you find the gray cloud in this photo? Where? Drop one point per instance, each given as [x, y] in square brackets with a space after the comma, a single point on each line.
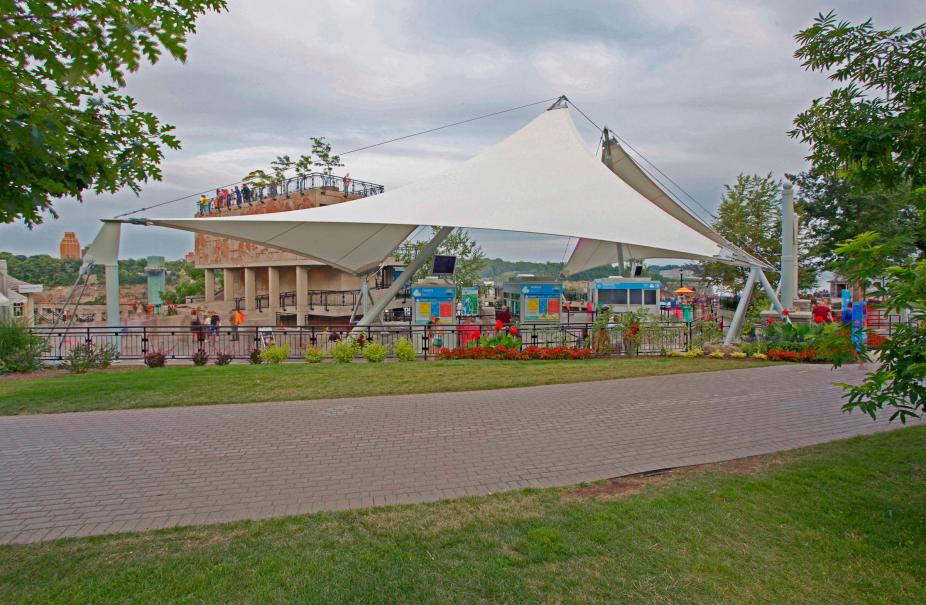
[706, 89]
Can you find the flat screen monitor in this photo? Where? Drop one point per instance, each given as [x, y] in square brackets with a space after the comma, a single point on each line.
[443, 265]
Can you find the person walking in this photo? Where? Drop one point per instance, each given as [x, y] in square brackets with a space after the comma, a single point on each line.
[346, 183]
[196, 328]
[246, 192]
[214, 323]
[238, 196]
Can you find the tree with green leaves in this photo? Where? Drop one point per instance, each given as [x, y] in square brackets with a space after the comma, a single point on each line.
[470, 258]
[65, 127]
[871, 133]
[749, 216]
[324, 158]
[832, 211]
[871, 130]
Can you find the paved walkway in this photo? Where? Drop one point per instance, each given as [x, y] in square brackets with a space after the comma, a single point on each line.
[101, 472]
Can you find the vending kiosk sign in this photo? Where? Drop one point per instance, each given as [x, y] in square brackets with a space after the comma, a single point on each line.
[540, 302]
[433, 302]
[469, 297]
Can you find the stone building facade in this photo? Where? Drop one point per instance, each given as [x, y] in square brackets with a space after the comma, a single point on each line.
[272, 285]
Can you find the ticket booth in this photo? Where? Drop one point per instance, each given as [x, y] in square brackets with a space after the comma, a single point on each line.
[533, 299]
[625, 294]
[433, 300]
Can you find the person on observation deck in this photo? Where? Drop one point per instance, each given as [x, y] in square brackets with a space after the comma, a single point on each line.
[237, 196]
[203, 204]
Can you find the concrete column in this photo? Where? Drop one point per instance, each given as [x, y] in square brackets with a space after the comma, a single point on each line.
[210, 285]
[302, 287]
[250, 289]
[273, 287]
[788, 248]
[232, 284]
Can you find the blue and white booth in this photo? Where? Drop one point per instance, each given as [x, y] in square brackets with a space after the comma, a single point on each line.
[533, 299]
[624, 294]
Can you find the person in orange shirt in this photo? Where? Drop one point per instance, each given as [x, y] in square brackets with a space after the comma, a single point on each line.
[237, 320]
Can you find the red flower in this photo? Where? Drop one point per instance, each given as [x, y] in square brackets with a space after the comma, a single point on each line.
[785, 312]
[818, 319]
[771, 320]
[499, 324]
[514, 331]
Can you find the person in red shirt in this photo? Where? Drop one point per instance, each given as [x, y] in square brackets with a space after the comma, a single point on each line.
[504, 316]
[822, 312]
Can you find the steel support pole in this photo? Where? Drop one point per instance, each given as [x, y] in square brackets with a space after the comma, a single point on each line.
[404, 277]
[736, 326]
[776, 304]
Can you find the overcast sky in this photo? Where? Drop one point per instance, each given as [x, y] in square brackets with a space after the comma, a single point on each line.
[705, 89]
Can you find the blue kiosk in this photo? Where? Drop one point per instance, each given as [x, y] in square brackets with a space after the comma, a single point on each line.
[625, 294]
[533, 299]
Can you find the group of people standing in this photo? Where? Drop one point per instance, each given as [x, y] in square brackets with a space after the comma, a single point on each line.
[206, 324]
[224, 198]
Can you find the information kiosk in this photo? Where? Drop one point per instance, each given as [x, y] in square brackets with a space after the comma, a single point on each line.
[433, 299]
[533, 299]
[624, 294]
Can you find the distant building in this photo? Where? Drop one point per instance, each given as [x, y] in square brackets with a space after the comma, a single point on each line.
[16, 296]
[190, 257]
[70, 246]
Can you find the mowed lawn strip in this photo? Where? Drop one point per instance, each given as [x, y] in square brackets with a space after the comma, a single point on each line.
[189, 385]
[840, 523]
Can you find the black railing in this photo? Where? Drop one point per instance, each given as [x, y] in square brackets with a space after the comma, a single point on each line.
[181, 342]
[256, 194]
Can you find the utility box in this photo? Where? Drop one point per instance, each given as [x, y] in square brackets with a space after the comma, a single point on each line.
[433, 299]
[625, 294]
[533, 299]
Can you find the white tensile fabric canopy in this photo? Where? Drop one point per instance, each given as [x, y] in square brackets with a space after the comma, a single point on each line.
[541, 179]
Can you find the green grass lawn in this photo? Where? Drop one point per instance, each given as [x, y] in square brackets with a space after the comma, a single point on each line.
[188, 385]
[839, 523]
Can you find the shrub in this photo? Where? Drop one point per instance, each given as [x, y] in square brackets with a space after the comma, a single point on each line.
[375, 352]
[20, 349]
[344, 351]
[223, 359]
[738, 355]
[155, 359]
[695, 352]
[749, 348]
[717, 355]
[254, 357]
[313, 354]
[759, 356]
[674, 353]
[275, 354]
[200, 358]
[88, 357]
[404, 350]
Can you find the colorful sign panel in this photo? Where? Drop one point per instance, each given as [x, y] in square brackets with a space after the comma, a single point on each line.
[540, 302]
[470, 300]
[433, 303]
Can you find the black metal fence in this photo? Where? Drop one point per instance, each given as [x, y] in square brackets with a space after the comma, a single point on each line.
[256, 194]
[134, 342]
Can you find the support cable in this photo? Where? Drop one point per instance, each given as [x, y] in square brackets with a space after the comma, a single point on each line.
[402, 138]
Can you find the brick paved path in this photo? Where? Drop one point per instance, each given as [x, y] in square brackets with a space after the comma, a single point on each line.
[101, 472]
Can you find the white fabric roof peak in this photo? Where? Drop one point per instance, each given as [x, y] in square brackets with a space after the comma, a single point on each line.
[541, 179]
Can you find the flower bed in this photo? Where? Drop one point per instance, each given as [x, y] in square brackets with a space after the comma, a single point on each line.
[805, 356]
[501, 352]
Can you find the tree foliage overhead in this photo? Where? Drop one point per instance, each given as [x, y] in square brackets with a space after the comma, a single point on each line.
[470, 258]
[64, 126]
[870, 131]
